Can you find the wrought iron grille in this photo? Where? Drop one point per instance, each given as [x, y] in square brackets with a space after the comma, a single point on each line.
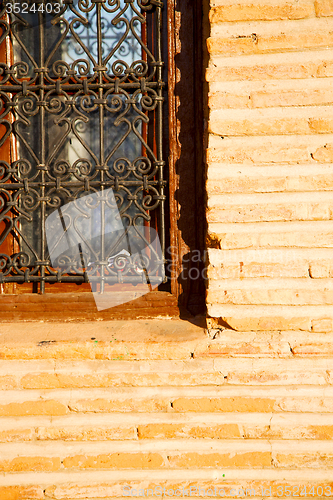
[81, 112]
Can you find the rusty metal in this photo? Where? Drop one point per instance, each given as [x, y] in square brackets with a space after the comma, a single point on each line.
[83, 87]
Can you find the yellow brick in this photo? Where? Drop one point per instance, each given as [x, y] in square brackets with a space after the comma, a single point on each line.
[305, 40]
[236, 404]
[322, 325]
[325, 69]
[125, 405]
[300, 432]
[34, 464]
[205, 489]
[52, 351]
[297, 239]
[33, 408]
[200, 460]
[246, 349]
[304, 404]
[268, 126]
[230, 46]
[253, 44]
[140, 350]
[247, 184]
[21, 493]
[86, 433]
[302, 97]
[115, 460]
[99, 491]
[255, 213]
[321, 431]
[264, 432]
[50, 381]
[41, 381]
[258, 270]
[16, 435]
[295, 153]
[313, 349]
[218, 100]
[324, 154]
[321, 269]
[282, 71]
[169, 431]
[289, 377]
[293, 460]
[263, 11]
[311, 183]
[115, 489]
[270, 297]
[269, 323]
[7, 382]
[324, 8]
[321, 125]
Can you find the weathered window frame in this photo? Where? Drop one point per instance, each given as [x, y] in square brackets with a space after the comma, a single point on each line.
[186, 174]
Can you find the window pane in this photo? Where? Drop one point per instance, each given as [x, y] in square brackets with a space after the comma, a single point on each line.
[82, 89]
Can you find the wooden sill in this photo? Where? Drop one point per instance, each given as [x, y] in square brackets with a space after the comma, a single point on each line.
[81, 307]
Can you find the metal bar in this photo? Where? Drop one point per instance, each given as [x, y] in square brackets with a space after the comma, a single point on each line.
[41, 19]
[159, 125]
[72, 279]
[79, 86]
[20, 185]
[101, 141]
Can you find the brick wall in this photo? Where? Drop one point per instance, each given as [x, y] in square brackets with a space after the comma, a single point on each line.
[270, 153]
[160, 404]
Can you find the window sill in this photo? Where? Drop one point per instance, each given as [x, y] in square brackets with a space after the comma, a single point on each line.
[80, 306]
[109, 340]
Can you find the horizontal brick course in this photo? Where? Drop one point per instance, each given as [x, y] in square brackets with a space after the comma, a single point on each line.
[35, 464]
[125, 405]
[236, 404]
[267, 94]
[21, 493]
[265, 11]
[272, 67]
[69, 380]
[115, 461]
[196, 460]
[315, 149]
[33, 408]
[270, 297]
[263, 44]
[221, 182]
[110, 490]
[276, 121]
[187, 430]
[271, 239]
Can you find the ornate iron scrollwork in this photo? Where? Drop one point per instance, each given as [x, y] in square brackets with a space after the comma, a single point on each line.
[81, 98]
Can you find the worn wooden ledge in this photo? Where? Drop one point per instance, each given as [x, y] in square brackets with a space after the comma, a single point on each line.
[81, 307]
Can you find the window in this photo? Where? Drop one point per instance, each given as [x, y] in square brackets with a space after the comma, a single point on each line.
[83, 88]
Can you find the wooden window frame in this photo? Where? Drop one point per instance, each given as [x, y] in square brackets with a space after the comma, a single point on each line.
[185, 122]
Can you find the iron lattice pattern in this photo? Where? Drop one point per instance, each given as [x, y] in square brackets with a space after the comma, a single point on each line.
[81, 112]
